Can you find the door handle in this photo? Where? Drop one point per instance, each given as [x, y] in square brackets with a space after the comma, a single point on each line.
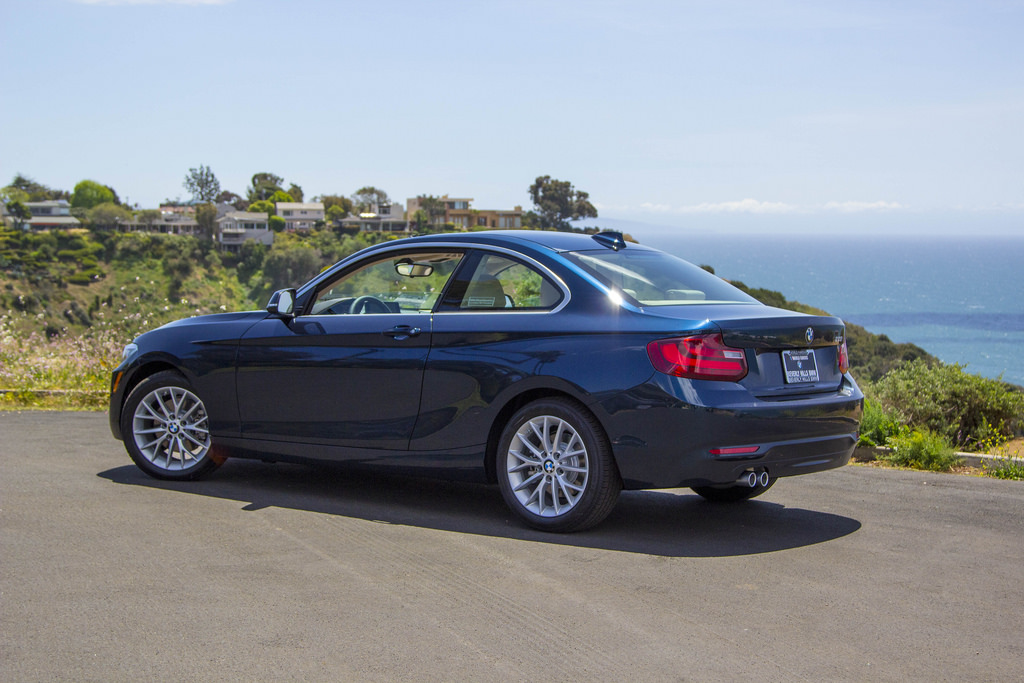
[400, 332]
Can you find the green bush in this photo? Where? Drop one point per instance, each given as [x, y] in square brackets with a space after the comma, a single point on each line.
[945, 399]
[877, 425]
[921, 449]
[1006, 468]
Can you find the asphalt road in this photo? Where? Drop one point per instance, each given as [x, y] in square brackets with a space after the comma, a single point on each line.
[285, 572]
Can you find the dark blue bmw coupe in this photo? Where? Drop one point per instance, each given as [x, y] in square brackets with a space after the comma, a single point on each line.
[565, 367]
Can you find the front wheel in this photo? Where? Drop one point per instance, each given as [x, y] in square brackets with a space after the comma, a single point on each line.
[555, 467]
[731, 494]
[166, 429]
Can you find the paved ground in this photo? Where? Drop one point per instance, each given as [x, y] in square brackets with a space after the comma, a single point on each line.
[286, 572]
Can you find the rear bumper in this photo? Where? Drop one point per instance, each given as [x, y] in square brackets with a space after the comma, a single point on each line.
[671, 435]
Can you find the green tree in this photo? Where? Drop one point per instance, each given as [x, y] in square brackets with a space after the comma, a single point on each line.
[335, 213]
[148, 217]
[296, 192]
[263, 206]
[251, 259]
[117, 200]
[276, 223]
[108, 215]
[13, 194]
[558, 202]
[202, 184]
[206, 217]
[19, 212]
[290, 266]
[35, 192]
[421, 220]
[344, 203]
[434, 207]
[263, 185]
[229, 197]
[89, 193]
[366, 198]
[281, 196]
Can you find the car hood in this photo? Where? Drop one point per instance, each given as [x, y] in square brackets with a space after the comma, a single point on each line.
[218, 318]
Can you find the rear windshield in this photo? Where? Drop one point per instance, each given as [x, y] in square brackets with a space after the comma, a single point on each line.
[654, 278]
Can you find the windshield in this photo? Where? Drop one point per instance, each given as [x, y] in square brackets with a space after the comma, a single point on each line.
[654, 278]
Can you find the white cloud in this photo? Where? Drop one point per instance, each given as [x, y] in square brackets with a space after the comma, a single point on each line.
[752, 206]
[857, 207]
[151, 2]
[741, 206]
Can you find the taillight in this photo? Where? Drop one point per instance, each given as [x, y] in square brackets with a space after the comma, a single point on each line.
[699, 357]
[844, 359]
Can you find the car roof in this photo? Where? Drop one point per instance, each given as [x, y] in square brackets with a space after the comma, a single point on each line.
[556, 241]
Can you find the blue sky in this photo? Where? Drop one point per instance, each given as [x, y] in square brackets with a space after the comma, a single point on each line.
[727, 115]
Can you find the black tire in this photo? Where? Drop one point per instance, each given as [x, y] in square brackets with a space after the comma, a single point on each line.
[555, 467]
[165, 429]
[731, 494]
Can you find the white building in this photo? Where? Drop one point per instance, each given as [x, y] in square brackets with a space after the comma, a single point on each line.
[300, 215]
[235, 228]
[378, 218]
[53, 213]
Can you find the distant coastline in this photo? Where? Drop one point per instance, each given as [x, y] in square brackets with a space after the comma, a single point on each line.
[956, 297]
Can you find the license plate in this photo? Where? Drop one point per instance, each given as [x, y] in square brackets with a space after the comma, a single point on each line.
[799, 366]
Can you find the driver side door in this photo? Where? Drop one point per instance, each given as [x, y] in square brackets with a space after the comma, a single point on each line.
[348, 370]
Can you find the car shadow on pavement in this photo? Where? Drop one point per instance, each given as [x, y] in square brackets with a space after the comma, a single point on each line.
[673, 523]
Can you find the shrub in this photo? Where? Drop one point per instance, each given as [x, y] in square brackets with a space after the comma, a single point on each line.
[290, 267]
[1006, 468]
[877, 425]
[921, 449]
[945, 399]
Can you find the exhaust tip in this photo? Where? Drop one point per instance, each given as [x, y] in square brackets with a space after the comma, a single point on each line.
[747, 479]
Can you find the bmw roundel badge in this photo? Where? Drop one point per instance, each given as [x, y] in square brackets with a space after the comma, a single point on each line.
[809, 335]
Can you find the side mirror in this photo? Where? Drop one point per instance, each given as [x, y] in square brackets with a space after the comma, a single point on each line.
[282, 303]
[407, 268]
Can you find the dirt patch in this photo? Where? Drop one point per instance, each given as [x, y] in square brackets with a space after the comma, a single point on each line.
[1014, 448]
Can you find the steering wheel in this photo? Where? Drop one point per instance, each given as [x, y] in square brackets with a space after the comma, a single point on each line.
[368, 304]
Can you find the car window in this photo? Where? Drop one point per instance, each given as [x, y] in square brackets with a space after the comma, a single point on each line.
[498, 282]
[654, 278]
[406, 282]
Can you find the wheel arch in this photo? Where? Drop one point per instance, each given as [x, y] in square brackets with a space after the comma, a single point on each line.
[512, 406]
[132, 380]
[148, 369]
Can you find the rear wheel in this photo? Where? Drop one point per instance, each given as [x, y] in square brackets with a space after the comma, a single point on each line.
[555, 467]
[166, 429]
[731, 494]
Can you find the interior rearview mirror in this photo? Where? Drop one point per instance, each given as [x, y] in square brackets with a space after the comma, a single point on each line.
[407, 268]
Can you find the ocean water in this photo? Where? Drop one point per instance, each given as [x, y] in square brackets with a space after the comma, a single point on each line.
[960, 298]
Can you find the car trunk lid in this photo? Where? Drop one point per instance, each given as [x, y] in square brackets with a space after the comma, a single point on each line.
[787, 356]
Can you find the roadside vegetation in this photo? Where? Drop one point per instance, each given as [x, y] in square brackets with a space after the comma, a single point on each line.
[70, 301]
[921, 410]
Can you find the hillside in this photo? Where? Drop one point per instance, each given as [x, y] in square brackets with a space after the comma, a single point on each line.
[82, 282]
